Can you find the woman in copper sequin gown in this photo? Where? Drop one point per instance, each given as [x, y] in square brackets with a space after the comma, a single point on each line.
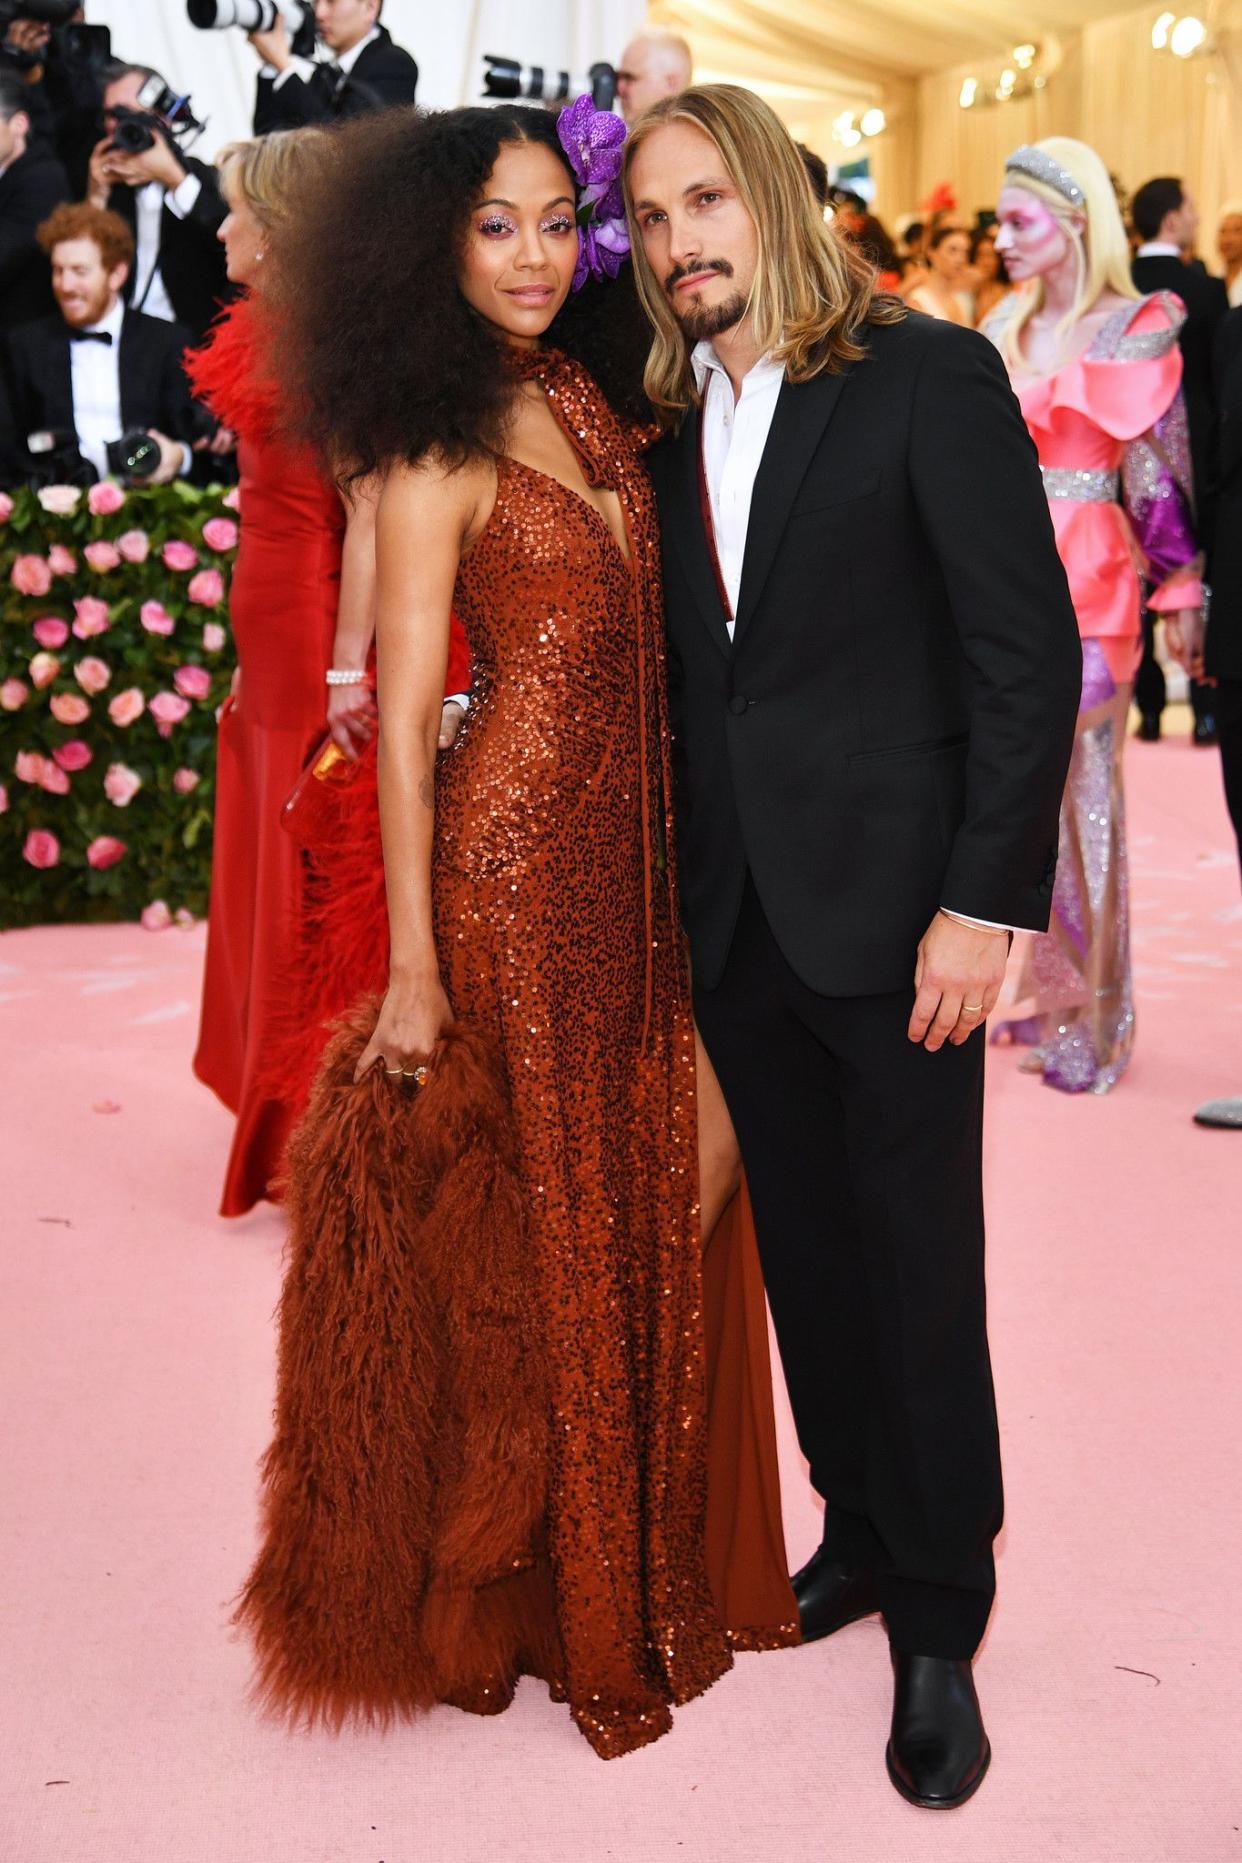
[531, 892]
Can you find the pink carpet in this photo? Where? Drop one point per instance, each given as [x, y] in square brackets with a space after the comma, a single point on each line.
[135, 1375]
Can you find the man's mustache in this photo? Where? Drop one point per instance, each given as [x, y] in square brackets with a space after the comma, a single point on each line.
[689, 271]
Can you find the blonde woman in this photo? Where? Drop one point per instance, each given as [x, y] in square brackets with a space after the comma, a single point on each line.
[1097, 371]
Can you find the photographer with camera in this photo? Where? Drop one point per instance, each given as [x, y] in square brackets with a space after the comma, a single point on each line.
[171, 203]
[366, 70]
[32, 182]
[96, 388]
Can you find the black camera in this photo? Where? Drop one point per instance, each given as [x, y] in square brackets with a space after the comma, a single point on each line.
[259, 16]
[42, 12]
[134, 457]
[160, 112]
[508, 78]
[55, 460]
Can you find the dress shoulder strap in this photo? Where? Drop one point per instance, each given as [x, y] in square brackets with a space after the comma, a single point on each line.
[1119, 341]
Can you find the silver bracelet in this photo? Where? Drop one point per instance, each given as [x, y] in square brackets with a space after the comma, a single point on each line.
[346, 676]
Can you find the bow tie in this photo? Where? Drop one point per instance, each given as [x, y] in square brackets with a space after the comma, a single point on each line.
[92, 336]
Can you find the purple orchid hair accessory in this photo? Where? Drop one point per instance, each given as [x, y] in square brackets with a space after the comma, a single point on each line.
[593, 141]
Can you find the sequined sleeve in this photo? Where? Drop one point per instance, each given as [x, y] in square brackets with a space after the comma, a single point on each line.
[1157, 494]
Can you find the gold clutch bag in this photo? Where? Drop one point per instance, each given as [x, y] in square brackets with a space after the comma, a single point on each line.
[316, 804]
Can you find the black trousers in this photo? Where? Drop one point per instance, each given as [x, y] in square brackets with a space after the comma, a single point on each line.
[1229, 725]
[862, 1152]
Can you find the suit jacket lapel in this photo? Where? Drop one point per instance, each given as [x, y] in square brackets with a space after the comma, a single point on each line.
[803, 411]
[59, 381]
[687, 533]
[135, 387]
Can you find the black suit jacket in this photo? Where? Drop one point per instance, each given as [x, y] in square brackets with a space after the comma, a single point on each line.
[1207, 302]
[29, 189]
[890, 729]
[154, 390]
[383, 75]
[191, 260]
[1224, 640]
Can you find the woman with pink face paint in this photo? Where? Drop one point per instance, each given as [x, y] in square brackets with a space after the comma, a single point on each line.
[1097, 371]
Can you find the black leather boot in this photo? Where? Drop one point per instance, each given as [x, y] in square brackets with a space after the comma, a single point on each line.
[830, 1596]
[939, 1752]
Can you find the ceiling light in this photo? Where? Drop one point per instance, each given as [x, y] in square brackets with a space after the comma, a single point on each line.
[873, 122]
[1187, 36]
[1161, 30]
[1024, 56]
[969, 92]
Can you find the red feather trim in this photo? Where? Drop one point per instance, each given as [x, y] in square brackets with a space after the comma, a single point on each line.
[227, 373]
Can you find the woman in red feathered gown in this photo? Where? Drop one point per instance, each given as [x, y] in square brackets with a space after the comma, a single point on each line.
[283, 607]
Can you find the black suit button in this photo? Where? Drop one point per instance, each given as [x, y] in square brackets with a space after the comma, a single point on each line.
[737, 704]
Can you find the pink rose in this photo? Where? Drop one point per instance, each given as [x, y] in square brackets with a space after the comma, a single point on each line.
[13, 695]
[6, 507]
[54, 779]
[105, 498]
[232, 498]
[4, 794]
[121, 784]
[134, 545]
[31, 575]
[178, 555]
[186, 781]
[192, 682]
[104, 851]
[29, 765]
[156, 618]
[43, 669]
[156, 916]
[42, 849]
[60, 500]
[102, 557]
[92, 674]
[68, 708]
[220, 534]
[126, 707]
[61, 562]
[168, 709]
[75, 755]
[207, 588]
[213, 637]
[92, 616]
[51, 631]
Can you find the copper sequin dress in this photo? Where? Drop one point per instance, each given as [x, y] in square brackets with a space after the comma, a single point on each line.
[557, 930]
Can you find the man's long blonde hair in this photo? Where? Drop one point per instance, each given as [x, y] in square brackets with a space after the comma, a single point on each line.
[1102, 247]
[813, 294]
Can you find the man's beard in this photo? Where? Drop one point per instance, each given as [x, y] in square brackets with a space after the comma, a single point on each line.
[703, 321]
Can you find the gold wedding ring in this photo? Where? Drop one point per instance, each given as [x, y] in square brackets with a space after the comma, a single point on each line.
[393, 1072]
[973, 1009]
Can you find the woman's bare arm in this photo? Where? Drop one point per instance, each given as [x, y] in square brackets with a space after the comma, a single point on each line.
[351, 709]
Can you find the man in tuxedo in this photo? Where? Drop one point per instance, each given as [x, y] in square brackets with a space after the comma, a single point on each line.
[95, 370]
[31, 184]
[366, 70]
[1167, 220]
[874, 674]
[174, 207]
[656, 63]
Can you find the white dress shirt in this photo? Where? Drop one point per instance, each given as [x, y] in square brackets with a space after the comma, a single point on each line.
[1159, 249]
[150, 292]
[95, 369]
[95, 376]
[305, 66]
[735, 432]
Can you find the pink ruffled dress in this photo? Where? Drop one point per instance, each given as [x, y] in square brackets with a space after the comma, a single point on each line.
[1110, 429]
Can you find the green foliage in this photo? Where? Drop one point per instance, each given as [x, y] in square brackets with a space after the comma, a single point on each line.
[115, 615]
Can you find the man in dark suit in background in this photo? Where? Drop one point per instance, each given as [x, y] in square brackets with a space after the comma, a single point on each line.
[32, 182]
[95, 371]
[366, 70]
[172, 205]
[869, 761]
[1167, 220]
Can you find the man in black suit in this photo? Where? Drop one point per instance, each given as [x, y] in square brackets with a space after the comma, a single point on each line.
[94, 370]
[31, 184]
[874, 673]
[174, 207]
[366, 70]
[1167, 220]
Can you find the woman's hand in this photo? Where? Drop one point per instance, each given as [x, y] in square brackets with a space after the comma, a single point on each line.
[1184, 636]
[413, 1016]
[351, 717]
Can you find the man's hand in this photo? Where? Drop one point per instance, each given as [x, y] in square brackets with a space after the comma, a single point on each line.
[158, 163]
[27, 35]
[273, 46]
[101, 173]
[957, 980]
[451, 720]
[1184, 632]
[172, 458]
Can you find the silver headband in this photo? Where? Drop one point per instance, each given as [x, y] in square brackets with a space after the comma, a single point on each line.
[1041, 167]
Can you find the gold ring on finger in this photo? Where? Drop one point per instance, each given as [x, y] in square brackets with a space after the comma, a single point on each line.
[393, 1072]
[972, 1009]
[417, 1074]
